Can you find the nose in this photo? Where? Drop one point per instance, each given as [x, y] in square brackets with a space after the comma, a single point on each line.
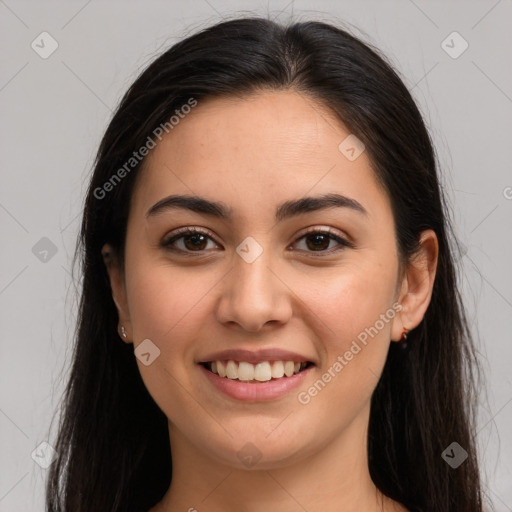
[253, 296]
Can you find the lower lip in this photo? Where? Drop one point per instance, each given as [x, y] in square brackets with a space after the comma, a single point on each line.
[258, 391]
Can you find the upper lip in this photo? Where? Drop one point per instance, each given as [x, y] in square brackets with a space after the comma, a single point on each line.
[255, 356]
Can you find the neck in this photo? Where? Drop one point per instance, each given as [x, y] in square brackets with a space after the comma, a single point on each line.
[332, 479]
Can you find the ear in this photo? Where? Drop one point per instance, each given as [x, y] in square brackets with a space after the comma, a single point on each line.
[118, 291]
[417, 285]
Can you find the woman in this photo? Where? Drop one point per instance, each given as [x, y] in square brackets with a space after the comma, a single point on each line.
[270, 317]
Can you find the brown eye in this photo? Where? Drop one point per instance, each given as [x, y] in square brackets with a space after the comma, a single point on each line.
[189, 240]
[196, 241]
[321, 240]
[318, 241]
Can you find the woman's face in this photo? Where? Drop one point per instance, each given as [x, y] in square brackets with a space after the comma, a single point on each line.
[254, 280]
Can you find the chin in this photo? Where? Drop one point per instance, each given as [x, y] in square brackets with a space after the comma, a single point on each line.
[258, 451]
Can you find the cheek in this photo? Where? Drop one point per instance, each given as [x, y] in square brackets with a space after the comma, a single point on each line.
[353, 298]
[167, 306]
[357, 307]
[164, 299]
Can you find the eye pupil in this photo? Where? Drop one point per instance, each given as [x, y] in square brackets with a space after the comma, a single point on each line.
[319, 241]
[198, 241]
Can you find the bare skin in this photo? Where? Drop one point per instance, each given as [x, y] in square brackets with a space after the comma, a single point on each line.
[252, 155]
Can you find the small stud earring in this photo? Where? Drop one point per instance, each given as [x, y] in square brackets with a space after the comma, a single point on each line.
[123, 332]
[403, 339]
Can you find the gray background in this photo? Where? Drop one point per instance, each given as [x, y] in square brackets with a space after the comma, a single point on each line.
[54, 111]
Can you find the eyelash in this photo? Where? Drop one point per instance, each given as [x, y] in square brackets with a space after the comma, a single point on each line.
[182, 232]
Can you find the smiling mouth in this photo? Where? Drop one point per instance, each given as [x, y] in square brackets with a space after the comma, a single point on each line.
[264, 371]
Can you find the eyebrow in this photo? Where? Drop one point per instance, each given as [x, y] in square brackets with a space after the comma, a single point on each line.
[284, 211]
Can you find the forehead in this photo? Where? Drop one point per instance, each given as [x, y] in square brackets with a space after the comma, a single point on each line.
[254, 151]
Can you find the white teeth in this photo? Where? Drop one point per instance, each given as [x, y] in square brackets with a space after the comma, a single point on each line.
[245, 371]
[231, 370]
[262, 372]
[277, 369]
[221, 369]
[288, 368]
